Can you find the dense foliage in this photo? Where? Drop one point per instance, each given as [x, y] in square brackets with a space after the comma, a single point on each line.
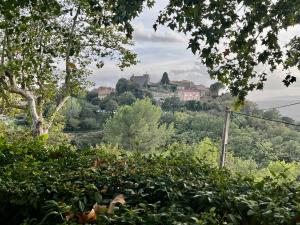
[45, 185]
[236, 38]
[137, 127]
[46, 47]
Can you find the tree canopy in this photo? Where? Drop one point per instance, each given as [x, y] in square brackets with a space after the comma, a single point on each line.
[215, 88]
[137, 127]
[47, 46]
[165, 79]
[238, 39]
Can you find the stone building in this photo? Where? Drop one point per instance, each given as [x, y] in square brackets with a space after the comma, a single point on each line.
[141, 81]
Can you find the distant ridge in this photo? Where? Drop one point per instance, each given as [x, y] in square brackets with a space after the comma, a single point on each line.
[292, 111]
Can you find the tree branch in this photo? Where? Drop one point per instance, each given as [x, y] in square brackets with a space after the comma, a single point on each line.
[3, 50]
[57, 109]
[69, 46]
[13, 87]
[22, 106]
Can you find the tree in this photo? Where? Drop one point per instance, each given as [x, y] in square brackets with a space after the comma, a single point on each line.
[137, 127]
[127, 98]
[171, 104]
[91, 95]
[236, 37]
[272, 114]
[47, 46]
[215, 88]
[71, 112]
[123, 85]
[111, 106]
[165, 79]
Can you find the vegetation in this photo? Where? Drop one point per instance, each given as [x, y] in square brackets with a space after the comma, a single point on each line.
[165, 79]
[236, 37]
[45, 185]
[40, 37]
[137, 127]
[125, 159]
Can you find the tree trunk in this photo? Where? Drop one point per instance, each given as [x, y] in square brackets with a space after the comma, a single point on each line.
[39, 129]
[40, 126]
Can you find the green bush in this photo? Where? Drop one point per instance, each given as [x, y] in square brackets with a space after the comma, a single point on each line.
[88, 124]
[46, 185]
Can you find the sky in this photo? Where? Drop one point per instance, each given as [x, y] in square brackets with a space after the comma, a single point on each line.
[166, 51]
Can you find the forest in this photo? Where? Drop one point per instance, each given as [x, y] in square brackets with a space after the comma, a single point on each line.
[70, 157]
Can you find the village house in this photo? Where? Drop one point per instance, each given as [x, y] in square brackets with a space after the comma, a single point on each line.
[188, 90]
[203, 90]
[185, 90]
[104, 91]
[188, 95]
[160, 96]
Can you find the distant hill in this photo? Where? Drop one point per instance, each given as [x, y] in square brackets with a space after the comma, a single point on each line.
[292, 111]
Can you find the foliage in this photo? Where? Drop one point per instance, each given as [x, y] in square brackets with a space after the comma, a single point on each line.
[171, 104]
[84, 139]
[48, 45]
[137, 127]
[42, 185]
[216, 87]
[236, 37]
[165, 79]
[126, 98]
[123, 85]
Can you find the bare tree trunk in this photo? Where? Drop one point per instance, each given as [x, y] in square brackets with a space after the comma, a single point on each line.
[38, 129]
[38, 126]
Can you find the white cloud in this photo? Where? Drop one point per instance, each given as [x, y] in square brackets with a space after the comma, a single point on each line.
[148, 35]
[165, 51]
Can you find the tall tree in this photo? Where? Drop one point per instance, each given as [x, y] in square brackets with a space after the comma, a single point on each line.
[215, 88]
[137, 127]
[46, 47]
[172, 104]
[236, 38]
[165, 79]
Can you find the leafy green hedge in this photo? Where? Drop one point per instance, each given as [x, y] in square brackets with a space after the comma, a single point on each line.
[43, 185]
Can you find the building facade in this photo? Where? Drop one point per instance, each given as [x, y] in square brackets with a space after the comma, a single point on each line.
[204, 91]
[160, 96]
[188, 95]
[141, 81]
[104, 91]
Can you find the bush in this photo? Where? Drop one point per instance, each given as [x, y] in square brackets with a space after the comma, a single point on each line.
[88, 124]
[42, 185]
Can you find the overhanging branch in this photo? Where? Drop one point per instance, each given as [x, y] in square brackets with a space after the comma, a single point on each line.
[57, 109]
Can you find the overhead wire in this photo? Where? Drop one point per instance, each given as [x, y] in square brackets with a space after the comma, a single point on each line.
[265, 149]
[283, 106]
[267, 119]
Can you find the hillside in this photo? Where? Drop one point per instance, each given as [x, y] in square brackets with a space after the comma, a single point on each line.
[292, 111]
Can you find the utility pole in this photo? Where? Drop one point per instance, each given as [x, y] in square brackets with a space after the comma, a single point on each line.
[225, 137]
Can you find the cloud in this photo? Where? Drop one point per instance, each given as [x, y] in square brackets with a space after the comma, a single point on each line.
[162, 36]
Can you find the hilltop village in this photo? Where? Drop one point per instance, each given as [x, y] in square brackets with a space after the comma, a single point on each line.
[185, 90]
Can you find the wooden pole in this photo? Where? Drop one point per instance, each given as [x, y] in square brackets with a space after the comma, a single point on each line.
[225, 137]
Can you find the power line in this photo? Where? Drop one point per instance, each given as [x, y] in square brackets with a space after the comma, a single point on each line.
[261, 144]
[283, 106]
[267, 152]
[262, 118]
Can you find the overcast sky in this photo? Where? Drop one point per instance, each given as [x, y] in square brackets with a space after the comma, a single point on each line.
[166, 51]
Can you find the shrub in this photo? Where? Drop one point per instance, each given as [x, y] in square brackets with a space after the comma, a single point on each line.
[42, 185]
